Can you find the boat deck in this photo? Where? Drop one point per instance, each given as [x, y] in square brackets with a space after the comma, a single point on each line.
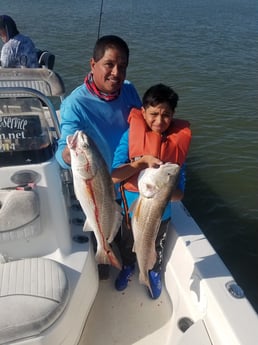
[117, 317]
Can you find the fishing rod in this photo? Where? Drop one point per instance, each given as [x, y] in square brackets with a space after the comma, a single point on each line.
[100, 16]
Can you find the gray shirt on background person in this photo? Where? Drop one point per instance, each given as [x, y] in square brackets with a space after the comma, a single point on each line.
[18, 50]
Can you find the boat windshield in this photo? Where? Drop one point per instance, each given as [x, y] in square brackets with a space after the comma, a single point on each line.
[24, 134]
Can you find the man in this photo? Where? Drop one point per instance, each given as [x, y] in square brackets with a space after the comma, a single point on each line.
[101, 105]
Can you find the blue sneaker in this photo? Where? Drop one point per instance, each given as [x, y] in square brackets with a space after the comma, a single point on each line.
[155, 284]
[123, 277]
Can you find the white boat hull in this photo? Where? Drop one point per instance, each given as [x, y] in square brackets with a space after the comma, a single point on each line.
[194, 308]
[54, 242]
[50, 293]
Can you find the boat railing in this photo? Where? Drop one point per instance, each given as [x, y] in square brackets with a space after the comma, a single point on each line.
[21, 92]
[41, 83]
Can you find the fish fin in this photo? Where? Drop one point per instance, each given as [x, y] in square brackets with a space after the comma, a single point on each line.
[68, 140]
[115, 229]
[144, 279]
[150, 190]
[118, 208]
[113, 260]
[132, 207]
[87, 226]
[117, 224]
[137, 210]
[153, 257]
[143, 275]
[71, 140]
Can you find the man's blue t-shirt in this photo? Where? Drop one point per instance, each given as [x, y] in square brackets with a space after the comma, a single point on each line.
[103, 121]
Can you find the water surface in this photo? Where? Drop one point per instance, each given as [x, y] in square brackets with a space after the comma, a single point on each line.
[207, 50]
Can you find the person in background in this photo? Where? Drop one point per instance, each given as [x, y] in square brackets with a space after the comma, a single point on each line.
[18, 50]
[101, 105]
[153, 138]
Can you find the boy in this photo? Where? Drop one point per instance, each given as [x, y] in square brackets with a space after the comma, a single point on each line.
[153, 138]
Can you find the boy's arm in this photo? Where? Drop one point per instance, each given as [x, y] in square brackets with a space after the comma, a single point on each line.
[129, 169]
[123, 168]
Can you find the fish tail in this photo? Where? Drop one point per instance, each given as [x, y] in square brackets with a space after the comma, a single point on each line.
[113, 260]
[144, 279]
[107, 257]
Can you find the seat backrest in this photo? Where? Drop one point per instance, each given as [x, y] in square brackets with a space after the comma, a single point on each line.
[19, 214]
[46, 59]
[43, 80]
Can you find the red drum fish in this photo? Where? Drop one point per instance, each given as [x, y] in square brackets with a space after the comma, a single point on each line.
[95, 191]
[156, 186]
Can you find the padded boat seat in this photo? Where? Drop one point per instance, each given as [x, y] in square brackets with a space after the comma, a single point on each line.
[43, 80]
[36, 285]
[46, 59]
[19, 214]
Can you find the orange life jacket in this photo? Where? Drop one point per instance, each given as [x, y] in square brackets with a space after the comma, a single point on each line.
[170, 147]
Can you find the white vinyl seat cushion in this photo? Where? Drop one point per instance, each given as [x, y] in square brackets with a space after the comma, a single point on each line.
[19, 214]
[33, 294]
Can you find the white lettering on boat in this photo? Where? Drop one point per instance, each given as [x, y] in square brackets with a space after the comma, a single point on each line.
[13, 123]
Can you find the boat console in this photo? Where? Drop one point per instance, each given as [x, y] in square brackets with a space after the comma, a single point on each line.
[24, 134]
[48, 274]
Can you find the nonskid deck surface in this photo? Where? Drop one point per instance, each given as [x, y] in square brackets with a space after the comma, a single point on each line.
[127, 317]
